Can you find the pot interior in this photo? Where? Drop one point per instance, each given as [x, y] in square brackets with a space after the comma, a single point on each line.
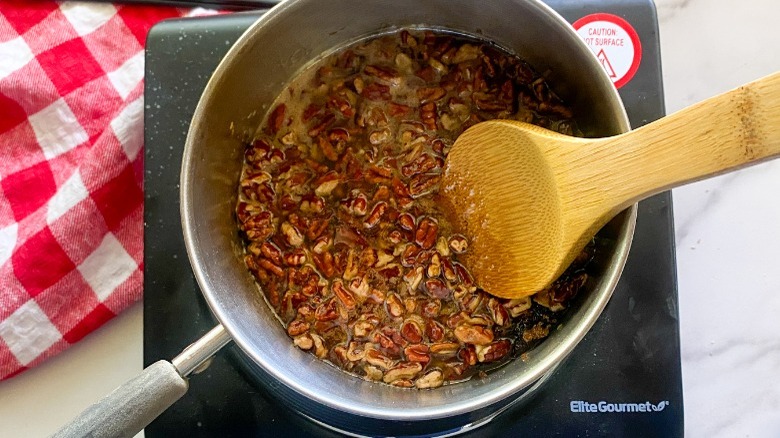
[237, 97]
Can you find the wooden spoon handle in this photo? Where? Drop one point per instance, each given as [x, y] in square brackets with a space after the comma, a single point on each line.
[721, 134]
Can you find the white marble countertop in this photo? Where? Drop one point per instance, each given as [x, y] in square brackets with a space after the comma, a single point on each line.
[728, 247]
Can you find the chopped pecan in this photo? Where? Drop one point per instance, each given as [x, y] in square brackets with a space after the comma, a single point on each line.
[473, 334]
[424, 163]
[437, 289]
[376, 214]
[494, 351]
[426, 233]
[431, 379]
[411, 331]
[386, 74]
[395, 307]
[376, 91]
[297, 327]
[422, 184]
[276, 119]
[430, 94]
[404, 370]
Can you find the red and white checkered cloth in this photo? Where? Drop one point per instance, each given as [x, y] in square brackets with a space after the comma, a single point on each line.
[71, 171]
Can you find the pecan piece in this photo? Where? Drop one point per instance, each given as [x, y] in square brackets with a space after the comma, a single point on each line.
[395, 237]
[411, 331]
[444, 348]
[434, 330]
[406, 221]
[372, 373]
[473, 334]
[376, 91]
[322, 124]
[430, 94]
[427, 73]
[376, 214]
[362, 329]
[351, 270]
[296, 257]
[434, 267]
[395, 307]
[386, 74]
[321, 244]
[458, 244]
[368, 257]
[399, 188]
[258, 227]
[327, 148]
[448, 270]
[256, 153]
[468, 355]
[463, 275]
[425, 236]
[383, 258]
[407, 39]
[402, 371]
[379, 175]
[379, 136]
[297, 327]
[413, 277]
[428, 115]
[291, 234]
[498, 312]
[494, 351]
[356, 351]
[382, 193]
[437, 289]
[345, 296]
[338, 355]
[517, 306]
[304, 341]
[271, 252]
[319, 346]
[341, 105]
[359, 286]
[409, 255]
[326, 183]
[422, 164]
[287, 202]
[431, 308]
[326, 311]
[417, 353]
[376, 358]
[276, 119]
[357, 205]
[432, 379]
[271, 267]
[398, 110]
[325, 263]
[390, 272]
[316, 228]
[422, 184]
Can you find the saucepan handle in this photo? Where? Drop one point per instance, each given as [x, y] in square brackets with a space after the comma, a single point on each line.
[134, 405]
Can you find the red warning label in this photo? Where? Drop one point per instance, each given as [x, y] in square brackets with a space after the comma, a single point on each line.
[615, 43]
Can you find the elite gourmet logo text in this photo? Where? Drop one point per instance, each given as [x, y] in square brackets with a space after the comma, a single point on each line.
[579, 406]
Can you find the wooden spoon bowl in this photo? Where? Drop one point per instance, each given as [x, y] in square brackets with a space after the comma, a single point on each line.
[530, 199]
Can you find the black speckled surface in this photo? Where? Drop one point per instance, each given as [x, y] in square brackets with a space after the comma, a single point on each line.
[632, 354]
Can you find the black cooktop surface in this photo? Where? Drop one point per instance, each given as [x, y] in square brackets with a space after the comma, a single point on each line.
[629, 362]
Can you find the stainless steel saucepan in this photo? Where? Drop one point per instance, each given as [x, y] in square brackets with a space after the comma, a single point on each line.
[252, 74]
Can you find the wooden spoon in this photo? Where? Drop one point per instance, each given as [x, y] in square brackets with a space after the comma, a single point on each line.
[530, 199]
